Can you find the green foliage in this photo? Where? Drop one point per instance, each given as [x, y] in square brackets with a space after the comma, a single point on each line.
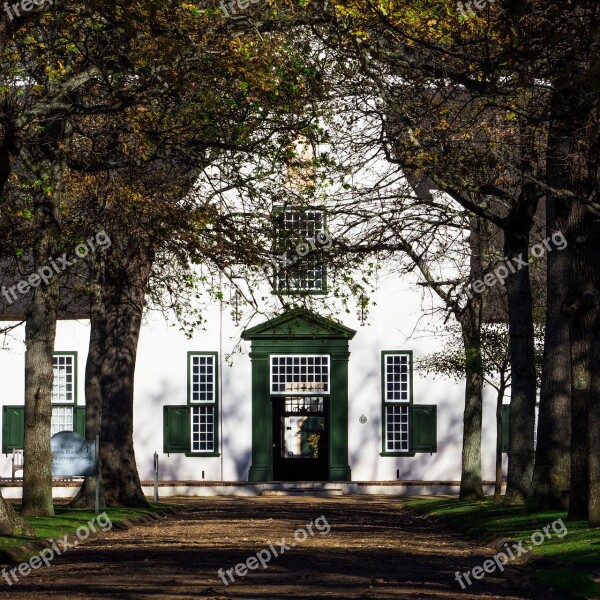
[452, 361]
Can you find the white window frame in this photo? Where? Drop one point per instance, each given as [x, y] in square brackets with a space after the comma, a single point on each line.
[403, 422]
[197, 423]
[325, 391]
[60, 382]
[397, 397]
[404, 395]
[61, 415]
[204, 433]
[209, 395]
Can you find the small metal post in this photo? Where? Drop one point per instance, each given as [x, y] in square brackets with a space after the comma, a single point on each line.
[156, 477]
[97, 507]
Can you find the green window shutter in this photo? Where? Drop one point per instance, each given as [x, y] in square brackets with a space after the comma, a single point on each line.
[176, 429]
[80, 420]
[505, 417]
[13, 428]
[423, 428]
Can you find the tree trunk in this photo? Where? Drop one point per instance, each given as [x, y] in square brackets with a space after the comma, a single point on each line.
[86, 497]
[522, 356]
[593, 417]
[582, 305]
[125, 299]
[9, 142]
[499, 473]
[471, 484]
[10, 522]
[9, 149]
[552, 471]
[40, 331]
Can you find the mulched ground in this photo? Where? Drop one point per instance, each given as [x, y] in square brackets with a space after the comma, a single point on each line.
[374, 549]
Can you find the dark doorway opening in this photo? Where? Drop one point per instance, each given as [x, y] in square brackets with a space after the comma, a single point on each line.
[301, 438]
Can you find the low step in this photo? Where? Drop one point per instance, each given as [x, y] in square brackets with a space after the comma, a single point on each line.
[304, 492]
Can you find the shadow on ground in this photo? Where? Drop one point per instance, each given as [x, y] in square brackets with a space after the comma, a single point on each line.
[374, 549]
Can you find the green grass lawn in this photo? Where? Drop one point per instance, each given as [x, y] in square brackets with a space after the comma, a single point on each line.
[67, 520]
[579, 545]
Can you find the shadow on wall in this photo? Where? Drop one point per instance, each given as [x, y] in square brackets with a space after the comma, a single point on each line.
[367, 445]
[443, 465]
[238, 453]
[149, 437]
[446, 462]
[148, 434]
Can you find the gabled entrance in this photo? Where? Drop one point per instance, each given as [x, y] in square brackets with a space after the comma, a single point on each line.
[299, 398]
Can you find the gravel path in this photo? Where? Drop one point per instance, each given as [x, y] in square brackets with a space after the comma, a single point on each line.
[374, 549]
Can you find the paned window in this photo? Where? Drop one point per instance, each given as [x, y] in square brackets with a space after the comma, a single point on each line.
[300, 374]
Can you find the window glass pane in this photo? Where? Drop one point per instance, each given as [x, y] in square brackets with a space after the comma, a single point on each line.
[203, 429]
[62, 419]
[304, 405]
[397, 378]
[63, 386]
[396, 428]
[300, 374]
[202, 378]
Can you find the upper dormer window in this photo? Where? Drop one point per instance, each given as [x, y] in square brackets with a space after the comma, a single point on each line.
[300, 238]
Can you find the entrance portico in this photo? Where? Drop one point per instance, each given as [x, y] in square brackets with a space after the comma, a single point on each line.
[299, 398]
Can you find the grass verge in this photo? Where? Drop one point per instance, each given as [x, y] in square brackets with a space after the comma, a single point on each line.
[567, 581]
[572, 541]
[66, 520]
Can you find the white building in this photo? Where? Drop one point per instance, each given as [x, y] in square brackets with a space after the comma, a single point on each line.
[302, 398]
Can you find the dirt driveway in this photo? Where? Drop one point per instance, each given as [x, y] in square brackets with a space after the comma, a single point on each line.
[373, 549]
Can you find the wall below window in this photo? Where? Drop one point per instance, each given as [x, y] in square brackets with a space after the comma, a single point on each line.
[169, 490]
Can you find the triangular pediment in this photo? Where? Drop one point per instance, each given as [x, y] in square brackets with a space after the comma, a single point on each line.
[299, 323]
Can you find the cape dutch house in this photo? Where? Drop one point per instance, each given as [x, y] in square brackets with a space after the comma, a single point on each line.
[306, 398]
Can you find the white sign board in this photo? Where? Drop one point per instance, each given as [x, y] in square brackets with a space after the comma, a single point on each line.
[72, 455]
